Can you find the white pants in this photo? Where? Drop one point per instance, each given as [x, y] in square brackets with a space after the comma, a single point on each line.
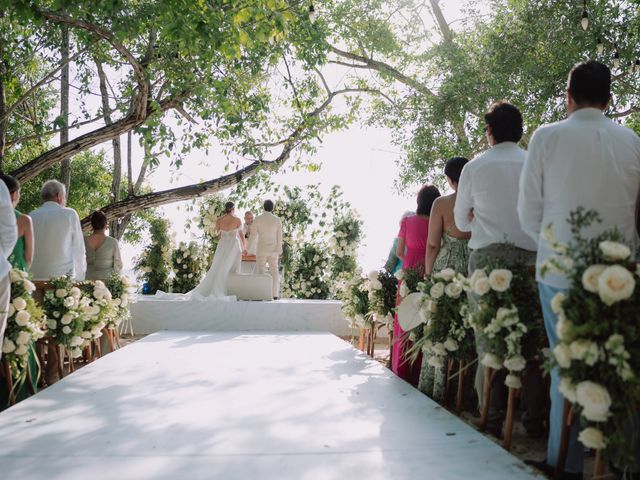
[272, 260]
[5, 296]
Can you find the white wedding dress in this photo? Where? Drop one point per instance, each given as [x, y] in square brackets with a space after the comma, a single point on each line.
[226, 259]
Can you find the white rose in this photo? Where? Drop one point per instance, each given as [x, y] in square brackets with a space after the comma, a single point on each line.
[76, 352]
[439, 349]
[86, 335]
[515, 364]
[593, 438]
[22, 318]
[453, 290]
[11, 310]
[615, 283]
[584, 350]
[435, 361]
[437, 290]
[404, 290]
[61, 293]
[70, 302]
[56, 314]
[399, 274]
[19, 303]
[8, 346]
[500, 279]
[29, 286]
[23, 338]
[477, 274]
[376, 285]
[451, 345]
[563, 355]
[594, 400]
[66, 330]
[75, 292]
[15, 275]
[21, 350]
[492, 361]
[447, 274]
[52, 324]
[567, 389]
[563, 327]
[67, 318]
[481, 286]
[614, 250]
[513, 381]
[556, 302]
[590, 277]
[76, 341]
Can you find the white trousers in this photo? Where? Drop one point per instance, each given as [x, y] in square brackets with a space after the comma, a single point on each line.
[5, 296]
[274, 270]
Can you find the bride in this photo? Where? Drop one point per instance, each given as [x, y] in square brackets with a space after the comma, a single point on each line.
[226, 260]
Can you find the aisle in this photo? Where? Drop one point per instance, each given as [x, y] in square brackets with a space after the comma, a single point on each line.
[241, 406]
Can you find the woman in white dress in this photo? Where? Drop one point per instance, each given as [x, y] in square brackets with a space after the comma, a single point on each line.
[227, 257]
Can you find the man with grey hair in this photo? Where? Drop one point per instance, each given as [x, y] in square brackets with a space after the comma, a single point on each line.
[8, 237]
[59, 246]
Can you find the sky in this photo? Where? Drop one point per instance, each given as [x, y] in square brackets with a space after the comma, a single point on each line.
[361, 160]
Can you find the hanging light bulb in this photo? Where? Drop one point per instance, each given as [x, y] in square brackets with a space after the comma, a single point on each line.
[616, 59]
[585, 17]
[600, 46]
[312, 14]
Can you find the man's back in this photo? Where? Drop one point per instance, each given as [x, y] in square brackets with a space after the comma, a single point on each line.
[489, 185]
[585, 161]
[54, 229]
[269, 229]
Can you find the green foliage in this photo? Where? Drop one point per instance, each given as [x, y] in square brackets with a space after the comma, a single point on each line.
[355, 301]
[119, 287]
[308, 275]
[343, 244]
[188, 265]
[154, 264]
[64, 306]
[382, 296]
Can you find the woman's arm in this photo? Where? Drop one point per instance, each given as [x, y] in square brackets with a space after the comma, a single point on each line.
[400, 248]
[392, 259]
[435, 237]
[28, 238]
[117, 258]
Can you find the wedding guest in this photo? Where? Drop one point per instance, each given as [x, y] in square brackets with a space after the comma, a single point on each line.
[394, 263]
[250, 233]
[22, 254]
[60, 250]
[486, 206]
[412, 245]
[584, 161]
[102, 251]
[447, 247]
[8, 237]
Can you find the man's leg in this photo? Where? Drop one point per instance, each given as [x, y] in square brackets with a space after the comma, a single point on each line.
[261, 262]
[274, 269]
[5, 296]
[575, 452]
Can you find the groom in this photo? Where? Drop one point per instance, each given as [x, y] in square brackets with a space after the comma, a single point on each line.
[269, 230]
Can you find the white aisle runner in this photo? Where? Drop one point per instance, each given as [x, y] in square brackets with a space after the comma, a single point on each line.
[239, 406]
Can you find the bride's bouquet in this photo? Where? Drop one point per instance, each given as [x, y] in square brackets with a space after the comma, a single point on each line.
[598, 353]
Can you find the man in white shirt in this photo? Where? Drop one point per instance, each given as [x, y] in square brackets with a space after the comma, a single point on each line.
[586, 160]
[269, 248]
[8, 237]
[486, 206]
[59, 247]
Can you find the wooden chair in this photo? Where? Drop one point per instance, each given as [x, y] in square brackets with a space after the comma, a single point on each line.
[489, 378]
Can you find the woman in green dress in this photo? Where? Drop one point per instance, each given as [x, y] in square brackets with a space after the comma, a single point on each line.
[447, 247]
[21, 258]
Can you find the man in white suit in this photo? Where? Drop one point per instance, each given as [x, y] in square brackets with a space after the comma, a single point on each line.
[269, 230]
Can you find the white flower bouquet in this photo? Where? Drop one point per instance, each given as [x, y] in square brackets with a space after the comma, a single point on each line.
[355, 302]
[188, 266]
[598, 353]
[309, 274]
[508, 318]
[97, 306]
[382, 287]
[26, 323]
[119, 287]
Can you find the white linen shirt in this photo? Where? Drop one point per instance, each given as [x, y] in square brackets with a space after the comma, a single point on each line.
[59, 246]
[8, 230]
[586, 160]
[489, 186]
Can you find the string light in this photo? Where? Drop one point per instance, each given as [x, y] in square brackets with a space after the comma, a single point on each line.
[600, 46]
[585, 17]
[312, 14]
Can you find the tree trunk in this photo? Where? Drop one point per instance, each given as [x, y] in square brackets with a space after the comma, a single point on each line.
[65, 165]
[117, 156]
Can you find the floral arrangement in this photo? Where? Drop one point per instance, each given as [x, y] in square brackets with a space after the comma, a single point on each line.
[26, 323]
[409, 281]
[355, 301]
[598, 328]
[382, 288]
[508, 319]
[153, 264]
[344, 242]
[188, 266]
[65, 308]
[119, 287]
[308, 277]
[98, 308]
[445, 329]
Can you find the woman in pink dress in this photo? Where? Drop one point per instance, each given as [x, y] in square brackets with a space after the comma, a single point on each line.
[412, 246]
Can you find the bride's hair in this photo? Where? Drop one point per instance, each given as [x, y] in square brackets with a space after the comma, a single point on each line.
[228, 207]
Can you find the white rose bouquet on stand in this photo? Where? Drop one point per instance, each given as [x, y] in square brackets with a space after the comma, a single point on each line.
[119, 288]
[383, 287]
[97, 306]
[26, 323]
[355, 302]
[598, 353]
[188, 265]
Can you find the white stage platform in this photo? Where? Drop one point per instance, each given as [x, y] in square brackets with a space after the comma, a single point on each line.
[235, 406]
[150, 314]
